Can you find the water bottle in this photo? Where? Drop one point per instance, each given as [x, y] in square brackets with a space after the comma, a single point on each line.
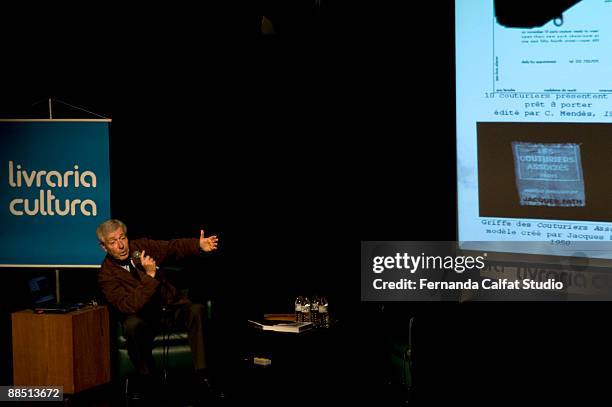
[299, 317]
[306, 310]
[314, 311]
[323, 312]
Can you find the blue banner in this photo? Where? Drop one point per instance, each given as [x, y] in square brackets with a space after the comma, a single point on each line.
[55, 190]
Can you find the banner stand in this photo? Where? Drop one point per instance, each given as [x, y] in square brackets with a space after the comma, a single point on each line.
[57, 286]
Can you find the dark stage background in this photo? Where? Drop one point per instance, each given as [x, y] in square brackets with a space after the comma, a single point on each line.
[293, 149]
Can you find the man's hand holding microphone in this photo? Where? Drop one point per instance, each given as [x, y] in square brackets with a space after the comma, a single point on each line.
[147, 262]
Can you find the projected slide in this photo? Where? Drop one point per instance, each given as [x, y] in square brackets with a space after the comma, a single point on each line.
[534, 126]
[564, 55]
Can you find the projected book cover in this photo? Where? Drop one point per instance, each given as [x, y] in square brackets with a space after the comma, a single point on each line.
[548, 174]
[545, 170]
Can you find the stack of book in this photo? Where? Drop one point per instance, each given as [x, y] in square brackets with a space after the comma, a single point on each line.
[281, 326]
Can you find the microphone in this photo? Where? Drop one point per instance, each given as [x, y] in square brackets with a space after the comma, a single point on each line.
[136, 258]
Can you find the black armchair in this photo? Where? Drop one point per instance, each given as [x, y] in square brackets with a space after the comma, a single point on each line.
[171, 349]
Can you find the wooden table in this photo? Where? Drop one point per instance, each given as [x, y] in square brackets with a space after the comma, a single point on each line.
[70, 350]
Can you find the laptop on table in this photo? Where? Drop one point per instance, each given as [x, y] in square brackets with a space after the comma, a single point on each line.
[44, 300]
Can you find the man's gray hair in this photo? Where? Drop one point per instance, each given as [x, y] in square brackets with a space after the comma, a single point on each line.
[107, 227]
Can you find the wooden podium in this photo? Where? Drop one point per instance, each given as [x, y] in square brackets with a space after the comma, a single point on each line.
[70, 350]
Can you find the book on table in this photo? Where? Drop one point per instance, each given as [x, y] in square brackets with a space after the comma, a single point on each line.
[281, 326]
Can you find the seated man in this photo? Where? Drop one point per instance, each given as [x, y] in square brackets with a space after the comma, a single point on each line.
[133, 285]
